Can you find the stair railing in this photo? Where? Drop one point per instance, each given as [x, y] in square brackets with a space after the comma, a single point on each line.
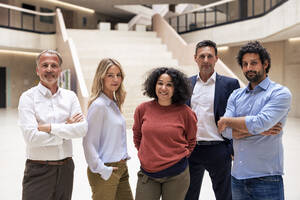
[68, 50]
[221, 13]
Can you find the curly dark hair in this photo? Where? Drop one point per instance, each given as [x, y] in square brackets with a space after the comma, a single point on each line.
[182, 89]
[254, 47]
[206, 43]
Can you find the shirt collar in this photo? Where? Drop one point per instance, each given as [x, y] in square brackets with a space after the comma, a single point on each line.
[106, 99]
[212, 78]
[45, 91]
[262, 85]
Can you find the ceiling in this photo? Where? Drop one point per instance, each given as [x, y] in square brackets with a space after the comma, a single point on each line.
[106, 7]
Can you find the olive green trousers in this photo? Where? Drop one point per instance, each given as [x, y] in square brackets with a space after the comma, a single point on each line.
[115, 188]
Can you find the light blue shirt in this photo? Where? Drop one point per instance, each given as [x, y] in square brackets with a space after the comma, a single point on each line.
[105, 141]
[264, 106]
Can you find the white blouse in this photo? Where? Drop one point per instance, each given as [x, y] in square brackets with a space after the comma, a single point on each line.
[105, 141]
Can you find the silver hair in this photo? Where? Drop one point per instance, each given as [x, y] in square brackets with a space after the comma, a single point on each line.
[50, 52]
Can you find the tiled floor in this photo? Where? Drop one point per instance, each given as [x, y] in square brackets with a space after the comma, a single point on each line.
[12, 162]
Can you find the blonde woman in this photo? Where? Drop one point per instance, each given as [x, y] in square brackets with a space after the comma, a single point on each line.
[105, 145]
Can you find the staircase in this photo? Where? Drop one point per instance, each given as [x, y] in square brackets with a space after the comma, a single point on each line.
[138, 52]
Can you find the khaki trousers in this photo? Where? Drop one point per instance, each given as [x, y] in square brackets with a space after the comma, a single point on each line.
[169, 188]
[115, 188]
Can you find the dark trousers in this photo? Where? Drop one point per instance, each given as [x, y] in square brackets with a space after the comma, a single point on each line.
[48, 182]
[216, 159]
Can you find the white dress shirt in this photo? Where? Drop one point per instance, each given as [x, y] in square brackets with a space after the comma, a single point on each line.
[105, 141]
[38, 106]
[202, 103]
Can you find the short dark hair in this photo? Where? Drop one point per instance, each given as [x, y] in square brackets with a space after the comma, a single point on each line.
[254, 47]
[182, 90]
[206, 43]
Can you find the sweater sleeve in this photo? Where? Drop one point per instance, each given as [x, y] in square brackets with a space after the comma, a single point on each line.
[137, 125]
[191, 129]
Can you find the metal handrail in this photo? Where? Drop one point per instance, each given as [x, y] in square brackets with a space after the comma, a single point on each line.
[70, 46]
[211, 5]
[189, 21]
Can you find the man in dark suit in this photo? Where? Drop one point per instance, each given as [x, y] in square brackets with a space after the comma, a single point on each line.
[212, 152]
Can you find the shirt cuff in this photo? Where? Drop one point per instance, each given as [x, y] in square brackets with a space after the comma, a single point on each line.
[227, 133]
[106, 173]
[54, 129]
[250, 121]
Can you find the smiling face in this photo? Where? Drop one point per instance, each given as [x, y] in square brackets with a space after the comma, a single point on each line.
[49, 70]
[164, 90]
[253, 69]
[112, 81]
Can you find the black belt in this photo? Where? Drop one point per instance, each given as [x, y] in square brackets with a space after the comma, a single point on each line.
[209, 142]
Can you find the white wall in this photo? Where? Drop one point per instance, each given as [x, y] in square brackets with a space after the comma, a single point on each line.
[14, 39]
[21, 75]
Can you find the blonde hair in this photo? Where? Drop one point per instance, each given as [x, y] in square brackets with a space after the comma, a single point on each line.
[97, 87]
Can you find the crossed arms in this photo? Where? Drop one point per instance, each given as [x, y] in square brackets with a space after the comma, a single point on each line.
[74, 119]
[273, 106]
[239, 128]
[37, 134]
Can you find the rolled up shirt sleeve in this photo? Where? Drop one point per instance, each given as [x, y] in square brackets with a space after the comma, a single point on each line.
[272, 113]
[227, 133]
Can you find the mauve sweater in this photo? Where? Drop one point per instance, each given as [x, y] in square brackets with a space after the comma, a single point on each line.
[163, 135]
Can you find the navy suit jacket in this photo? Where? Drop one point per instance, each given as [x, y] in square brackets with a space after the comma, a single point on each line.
[223, 88]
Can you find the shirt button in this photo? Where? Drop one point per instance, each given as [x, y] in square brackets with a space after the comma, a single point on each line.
[241, 162]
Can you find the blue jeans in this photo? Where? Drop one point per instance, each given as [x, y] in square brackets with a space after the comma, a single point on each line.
[261, 188]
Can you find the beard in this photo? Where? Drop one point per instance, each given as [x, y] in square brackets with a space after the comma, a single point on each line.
[257, 77]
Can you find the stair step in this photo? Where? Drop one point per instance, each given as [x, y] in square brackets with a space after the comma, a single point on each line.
[123, 47]
[138, 53]
[87, 43]
[78, 33]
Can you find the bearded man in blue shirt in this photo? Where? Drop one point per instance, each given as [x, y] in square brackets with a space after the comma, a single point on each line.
[254, 118]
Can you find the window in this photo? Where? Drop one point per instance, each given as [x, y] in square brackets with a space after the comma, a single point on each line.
[28, 7]
[46, 19]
